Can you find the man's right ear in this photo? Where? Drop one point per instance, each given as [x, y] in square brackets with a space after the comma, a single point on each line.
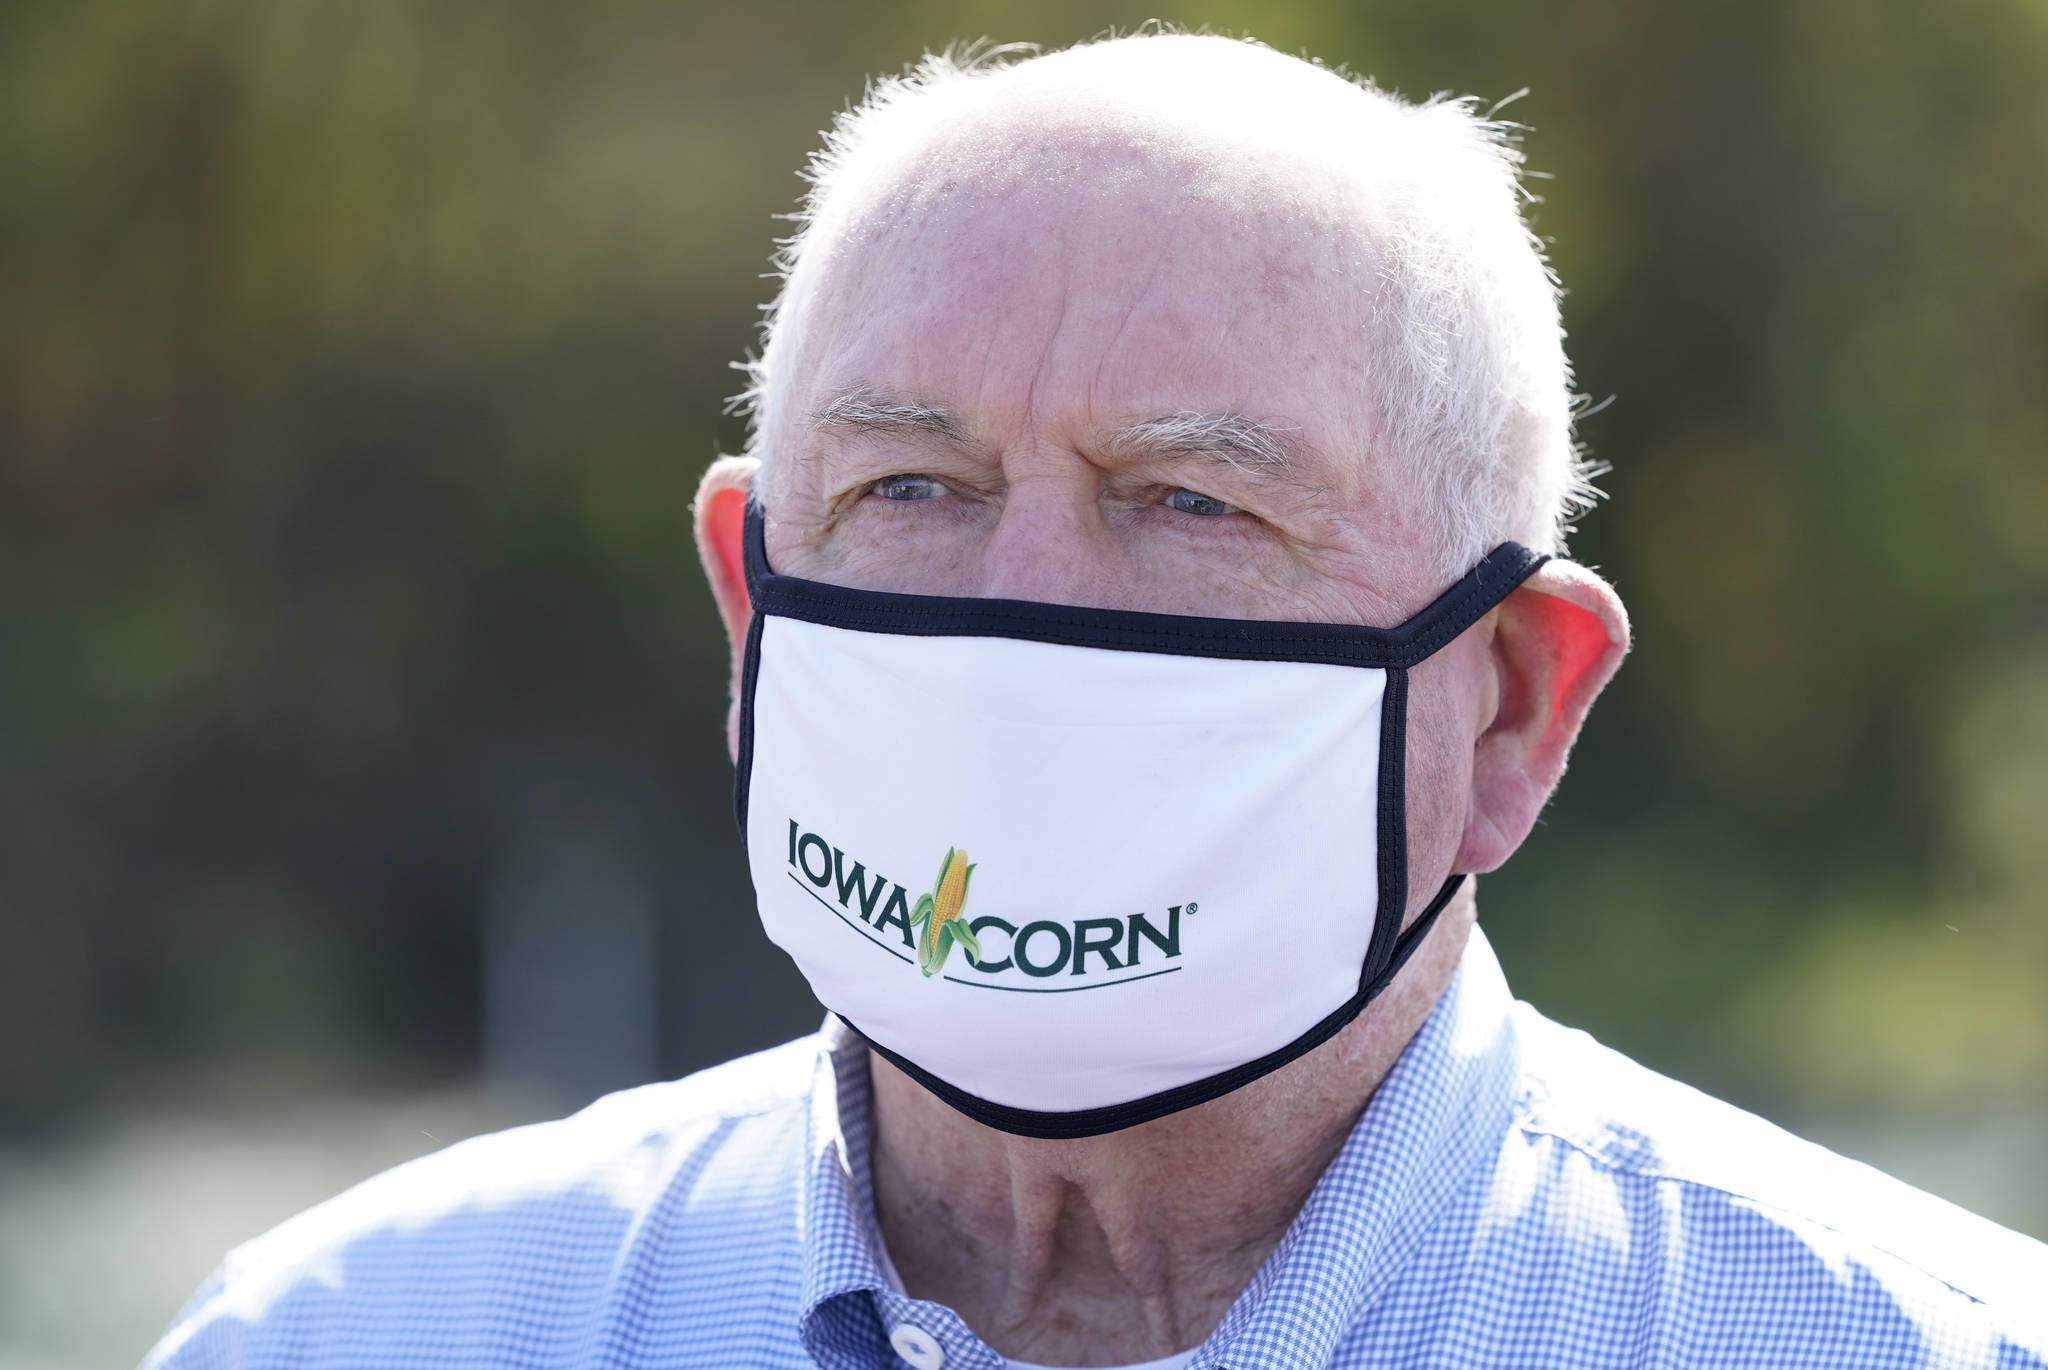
[721, 517]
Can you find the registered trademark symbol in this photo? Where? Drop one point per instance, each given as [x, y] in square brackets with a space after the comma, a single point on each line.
[1192, 907]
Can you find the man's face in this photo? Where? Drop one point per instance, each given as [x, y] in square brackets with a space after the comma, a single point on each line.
[1119, 380]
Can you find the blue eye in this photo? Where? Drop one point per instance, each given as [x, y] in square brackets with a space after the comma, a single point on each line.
[1193, 502]
[907, 488]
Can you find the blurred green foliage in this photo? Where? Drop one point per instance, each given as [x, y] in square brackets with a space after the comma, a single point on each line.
[357, 361]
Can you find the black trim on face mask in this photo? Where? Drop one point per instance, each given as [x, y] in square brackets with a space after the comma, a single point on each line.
[1094, 1122]
[743, 758]
[876, 611]
[1391, 813]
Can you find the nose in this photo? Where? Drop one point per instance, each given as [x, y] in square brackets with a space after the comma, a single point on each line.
[1052, 542]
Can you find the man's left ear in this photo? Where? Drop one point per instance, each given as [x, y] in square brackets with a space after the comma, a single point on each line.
[1557, 640]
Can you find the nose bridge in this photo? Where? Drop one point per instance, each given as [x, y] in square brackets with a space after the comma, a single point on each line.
[1051, 542]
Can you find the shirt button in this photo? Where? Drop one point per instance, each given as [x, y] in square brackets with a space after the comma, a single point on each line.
[917, 1346]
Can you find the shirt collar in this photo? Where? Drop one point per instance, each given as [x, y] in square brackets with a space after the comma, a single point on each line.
[849, 1306]
[1435, 1120]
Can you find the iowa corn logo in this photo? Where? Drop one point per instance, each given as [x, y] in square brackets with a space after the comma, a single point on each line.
[1023, 954]
[937, 916]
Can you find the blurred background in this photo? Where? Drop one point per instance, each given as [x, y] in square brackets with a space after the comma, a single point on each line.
[362, 779]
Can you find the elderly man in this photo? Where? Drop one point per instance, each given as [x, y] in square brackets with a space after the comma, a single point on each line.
[1151, 531]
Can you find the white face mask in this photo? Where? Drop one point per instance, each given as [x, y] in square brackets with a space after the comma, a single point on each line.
[1075, 869]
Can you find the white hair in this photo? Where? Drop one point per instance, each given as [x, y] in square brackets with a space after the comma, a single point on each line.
[1463, 364]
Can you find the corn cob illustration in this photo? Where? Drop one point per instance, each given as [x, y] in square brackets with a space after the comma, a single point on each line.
[939, 916]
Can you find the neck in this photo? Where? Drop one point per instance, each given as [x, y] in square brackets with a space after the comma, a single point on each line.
[1130, 1246]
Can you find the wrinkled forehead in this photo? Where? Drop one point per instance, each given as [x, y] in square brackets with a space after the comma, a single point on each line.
[1061, 254]
[1119, 189]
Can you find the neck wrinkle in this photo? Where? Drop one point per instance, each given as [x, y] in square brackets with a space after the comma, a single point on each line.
[1058, 1222]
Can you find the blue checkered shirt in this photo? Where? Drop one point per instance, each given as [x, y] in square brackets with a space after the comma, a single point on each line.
[1514, 1195]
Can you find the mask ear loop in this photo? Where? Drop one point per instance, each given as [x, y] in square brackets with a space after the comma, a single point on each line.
[1391, 947]
[1407, 942]
[754, 542]
[1392, 844]
[1492, 581]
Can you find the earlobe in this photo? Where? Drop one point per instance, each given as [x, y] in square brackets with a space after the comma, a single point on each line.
[1557, 641]
[720, 511]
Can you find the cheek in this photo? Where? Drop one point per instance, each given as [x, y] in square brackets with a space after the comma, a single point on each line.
[1440, 728]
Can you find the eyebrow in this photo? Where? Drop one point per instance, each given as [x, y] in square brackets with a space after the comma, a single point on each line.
[1256, 447]
[1252, 446]
[865, 411]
